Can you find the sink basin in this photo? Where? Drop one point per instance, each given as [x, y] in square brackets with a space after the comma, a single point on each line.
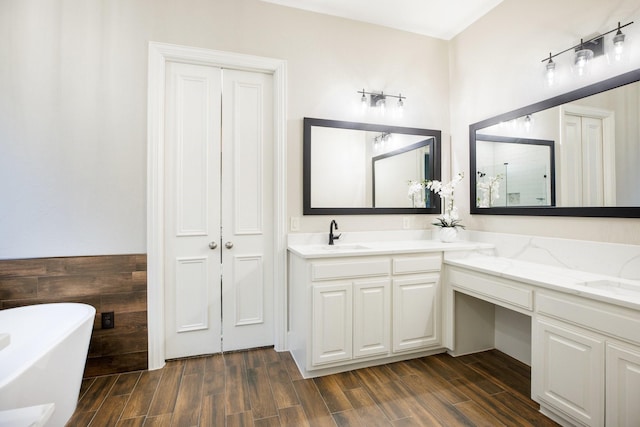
[615, 287]
[343, 247]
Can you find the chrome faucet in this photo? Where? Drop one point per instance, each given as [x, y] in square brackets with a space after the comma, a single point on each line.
[331, 236]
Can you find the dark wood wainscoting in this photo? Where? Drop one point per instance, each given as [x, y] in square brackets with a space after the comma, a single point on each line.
[115, 283]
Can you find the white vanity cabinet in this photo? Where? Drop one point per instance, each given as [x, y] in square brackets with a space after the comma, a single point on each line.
[416, 302]
[569, 370]
[371, 317]
[357, 311]
[586, 360]
[332, 323]
[350, 320]
[623, 385]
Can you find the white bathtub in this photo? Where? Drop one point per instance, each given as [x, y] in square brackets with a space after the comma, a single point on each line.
[45, 358]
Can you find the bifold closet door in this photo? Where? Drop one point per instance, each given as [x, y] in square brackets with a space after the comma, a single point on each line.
[218, 210]
[247, 215]
[192, 210]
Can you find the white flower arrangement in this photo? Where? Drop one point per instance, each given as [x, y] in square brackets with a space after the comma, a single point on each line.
[488, 189]
[450, 218]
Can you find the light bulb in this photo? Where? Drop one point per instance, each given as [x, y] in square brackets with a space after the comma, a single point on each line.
[618, 44]
[551, 71]
[400, 109]
[583, 56]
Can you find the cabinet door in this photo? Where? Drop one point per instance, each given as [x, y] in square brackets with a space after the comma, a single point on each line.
[416, 313]
[568, 371]
[371, 317]
[332, 323]
[623, 386]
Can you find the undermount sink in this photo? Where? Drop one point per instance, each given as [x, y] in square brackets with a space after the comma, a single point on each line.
[344, 247]
[614, 286]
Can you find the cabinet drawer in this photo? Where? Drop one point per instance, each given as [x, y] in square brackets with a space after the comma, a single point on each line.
[343, 270]
[417, 264]
[611, 320]
[494, 289]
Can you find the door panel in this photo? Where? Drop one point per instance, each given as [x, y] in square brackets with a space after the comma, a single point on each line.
[248, 273]
[415, 313]
[371, 317]
[192, 215]
[592, 162]
[247, 194]
[623, 386]
[568, 370]
[332, 314]
[191, 296]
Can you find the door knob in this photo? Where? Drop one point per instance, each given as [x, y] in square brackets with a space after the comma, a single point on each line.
[213, 245]
[228, 245]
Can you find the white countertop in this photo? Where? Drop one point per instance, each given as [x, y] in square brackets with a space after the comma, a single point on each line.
[609, 289]
[382, 248]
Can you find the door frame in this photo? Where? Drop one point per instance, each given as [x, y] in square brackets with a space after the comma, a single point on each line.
[608, 146]
[159, 54]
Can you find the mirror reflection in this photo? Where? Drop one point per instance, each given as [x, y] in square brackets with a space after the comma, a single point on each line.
[360, 168]
[393, 170]
[514, 172]
[575, 154]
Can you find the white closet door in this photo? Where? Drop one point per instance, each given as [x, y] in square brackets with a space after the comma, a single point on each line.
[571, 156]
[588, 171]
[247, 210]
[592, 162]
[192, 214]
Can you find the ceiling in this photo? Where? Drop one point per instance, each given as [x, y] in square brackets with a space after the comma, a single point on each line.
[442, 19]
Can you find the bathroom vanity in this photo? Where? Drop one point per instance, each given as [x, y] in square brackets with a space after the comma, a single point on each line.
[585, 334]
[575, 321]
[358, 305]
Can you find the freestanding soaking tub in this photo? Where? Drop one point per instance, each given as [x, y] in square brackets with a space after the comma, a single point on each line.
[45, 357]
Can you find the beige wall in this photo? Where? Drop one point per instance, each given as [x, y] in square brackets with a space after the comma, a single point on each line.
[73, 76]
[495, 67]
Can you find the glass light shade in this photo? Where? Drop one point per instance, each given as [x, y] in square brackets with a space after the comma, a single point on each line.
[618, 44]
[550, 72]
[583, 56]
[528, 123]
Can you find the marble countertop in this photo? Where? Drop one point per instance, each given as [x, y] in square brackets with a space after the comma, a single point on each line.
[319, 250]
[611, 289]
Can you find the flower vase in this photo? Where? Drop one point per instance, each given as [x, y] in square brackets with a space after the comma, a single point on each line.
[448, 234]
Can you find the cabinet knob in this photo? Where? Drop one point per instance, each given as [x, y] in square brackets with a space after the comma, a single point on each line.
[228, 245]
[213, 245]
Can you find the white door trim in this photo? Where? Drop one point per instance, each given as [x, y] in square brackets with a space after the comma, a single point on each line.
[159, 54]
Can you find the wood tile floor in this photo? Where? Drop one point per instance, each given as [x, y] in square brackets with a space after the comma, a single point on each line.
[264, 388]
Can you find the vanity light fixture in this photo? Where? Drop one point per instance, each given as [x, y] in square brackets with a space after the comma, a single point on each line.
[587, 50]
[379, 99]
[383, 137]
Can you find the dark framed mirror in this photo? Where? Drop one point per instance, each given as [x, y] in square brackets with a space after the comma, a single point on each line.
[592, 137]
[352, 168]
